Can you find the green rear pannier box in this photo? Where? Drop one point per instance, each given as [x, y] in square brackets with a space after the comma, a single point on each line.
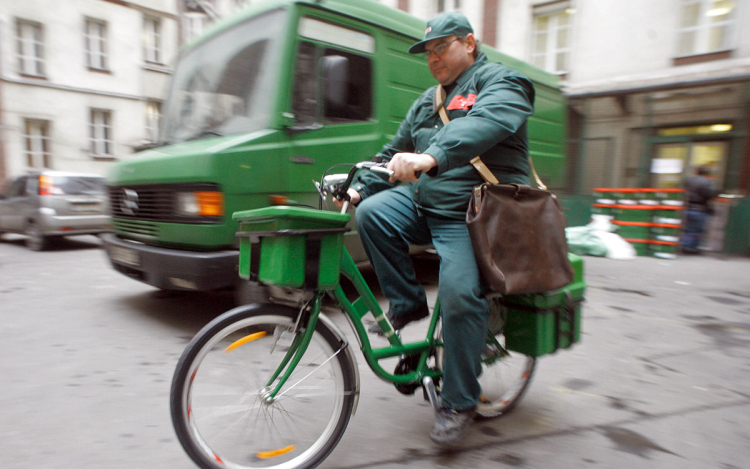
[539, 324]
[293, 247]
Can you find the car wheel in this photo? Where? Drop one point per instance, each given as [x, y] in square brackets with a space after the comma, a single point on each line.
[35, 240]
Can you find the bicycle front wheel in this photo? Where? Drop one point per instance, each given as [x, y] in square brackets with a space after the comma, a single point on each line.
[220, 404]
[505, 377]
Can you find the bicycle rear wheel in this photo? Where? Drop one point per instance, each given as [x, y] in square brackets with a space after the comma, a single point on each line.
[219, 400]
[505, 377]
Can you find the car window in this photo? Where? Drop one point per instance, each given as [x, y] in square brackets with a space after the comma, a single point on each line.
[32, 185]
[16, 189]
[76, 185]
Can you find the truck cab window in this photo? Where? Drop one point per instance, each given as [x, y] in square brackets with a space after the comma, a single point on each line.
[331, 86]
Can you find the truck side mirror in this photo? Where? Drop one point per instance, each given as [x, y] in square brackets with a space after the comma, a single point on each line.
[336, 82]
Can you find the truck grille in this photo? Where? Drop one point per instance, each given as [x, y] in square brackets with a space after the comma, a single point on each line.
[155, 203]
[136, 227]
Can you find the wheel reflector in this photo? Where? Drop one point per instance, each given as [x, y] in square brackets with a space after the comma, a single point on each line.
[273, 454]
[244, 340]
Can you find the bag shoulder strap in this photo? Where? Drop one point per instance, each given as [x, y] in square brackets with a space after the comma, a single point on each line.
[477, 161]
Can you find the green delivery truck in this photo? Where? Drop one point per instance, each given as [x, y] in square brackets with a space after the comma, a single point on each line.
[259, 107]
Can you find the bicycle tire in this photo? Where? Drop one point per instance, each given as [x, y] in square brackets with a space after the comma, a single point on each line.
[506, 376]
[217, 400]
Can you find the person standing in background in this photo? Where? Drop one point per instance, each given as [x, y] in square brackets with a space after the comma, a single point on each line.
[699, 192]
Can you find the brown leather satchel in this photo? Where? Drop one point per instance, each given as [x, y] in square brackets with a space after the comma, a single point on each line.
[518, 233]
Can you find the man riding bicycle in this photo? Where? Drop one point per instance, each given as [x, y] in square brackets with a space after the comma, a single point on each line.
[488, 105]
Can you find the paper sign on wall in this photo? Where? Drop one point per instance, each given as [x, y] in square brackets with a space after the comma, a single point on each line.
[666, 166]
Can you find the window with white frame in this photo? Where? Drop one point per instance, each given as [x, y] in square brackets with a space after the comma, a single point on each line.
[152, 40]
[551, 37]
[193, 24]
[447, 5]
[100, 133]
[706, 26]
[153, 119]
[95, 37]
[37, 143]
[30, 48]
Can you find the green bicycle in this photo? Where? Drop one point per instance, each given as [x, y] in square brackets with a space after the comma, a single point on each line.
[274, 385]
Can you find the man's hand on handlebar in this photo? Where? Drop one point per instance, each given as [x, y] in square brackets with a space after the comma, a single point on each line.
[354, 198]
[409, 166]
[336, 185]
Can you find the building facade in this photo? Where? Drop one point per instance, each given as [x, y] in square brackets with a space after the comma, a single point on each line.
[81, 82]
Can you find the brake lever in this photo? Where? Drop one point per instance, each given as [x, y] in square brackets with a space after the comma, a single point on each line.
[322, 193]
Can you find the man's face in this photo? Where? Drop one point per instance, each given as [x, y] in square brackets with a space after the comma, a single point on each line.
[448, 64]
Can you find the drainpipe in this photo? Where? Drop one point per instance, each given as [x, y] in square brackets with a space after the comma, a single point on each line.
[743, 183]
[3, 171]
[489, 24]
[643, 169]
[580, 169]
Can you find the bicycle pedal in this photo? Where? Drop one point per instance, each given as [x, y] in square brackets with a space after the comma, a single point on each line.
[430, 392]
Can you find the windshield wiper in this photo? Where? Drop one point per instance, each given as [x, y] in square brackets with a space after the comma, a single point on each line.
[149, 146]
[205, 133]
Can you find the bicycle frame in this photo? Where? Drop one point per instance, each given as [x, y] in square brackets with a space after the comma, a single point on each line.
[355, 311]
[366, 302]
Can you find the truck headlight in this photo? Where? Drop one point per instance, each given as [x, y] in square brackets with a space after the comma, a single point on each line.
[200, 203]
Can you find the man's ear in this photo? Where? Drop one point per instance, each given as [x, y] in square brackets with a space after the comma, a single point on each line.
[471, 43]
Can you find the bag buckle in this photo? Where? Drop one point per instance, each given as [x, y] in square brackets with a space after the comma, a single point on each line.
[477, 198]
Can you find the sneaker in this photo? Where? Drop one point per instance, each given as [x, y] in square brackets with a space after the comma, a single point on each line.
[451, 425]
[398, 321]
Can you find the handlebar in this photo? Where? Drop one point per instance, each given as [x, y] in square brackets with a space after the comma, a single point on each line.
[338, 184]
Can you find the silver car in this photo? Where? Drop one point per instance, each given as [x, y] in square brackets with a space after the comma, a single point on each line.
[52, 204]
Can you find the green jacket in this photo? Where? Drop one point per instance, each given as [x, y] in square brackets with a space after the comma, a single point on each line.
[488, 108]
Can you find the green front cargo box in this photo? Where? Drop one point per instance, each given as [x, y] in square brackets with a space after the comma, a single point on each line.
[293, 247]
[539, 324]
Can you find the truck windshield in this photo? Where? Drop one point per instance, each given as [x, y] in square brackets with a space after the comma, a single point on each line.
[225, 85]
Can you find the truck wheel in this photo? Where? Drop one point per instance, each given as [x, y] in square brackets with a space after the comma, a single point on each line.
[35, 240]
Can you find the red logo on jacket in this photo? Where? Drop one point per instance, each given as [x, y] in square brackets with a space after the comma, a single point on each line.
[459, 102]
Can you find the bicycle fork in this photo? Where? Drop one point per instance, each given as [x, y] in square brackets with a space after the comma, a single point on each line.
[306, 323]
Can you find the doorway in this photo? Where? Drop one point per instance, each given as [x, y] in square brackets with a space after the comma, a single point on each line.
[674, 162]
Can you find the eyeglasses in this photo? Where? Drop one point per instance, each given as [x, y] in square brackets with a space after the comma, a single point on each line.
[439, 49]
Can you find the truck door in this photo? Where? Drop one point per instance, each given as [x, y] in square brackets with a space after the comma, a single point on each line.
[332, 102]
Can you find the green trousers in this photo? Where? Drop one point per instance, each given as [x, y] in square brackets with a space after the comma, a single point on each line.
[388, 222]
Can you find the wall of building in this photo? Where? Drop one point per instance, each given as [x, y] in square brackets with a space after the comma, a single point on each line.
[69, 89]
